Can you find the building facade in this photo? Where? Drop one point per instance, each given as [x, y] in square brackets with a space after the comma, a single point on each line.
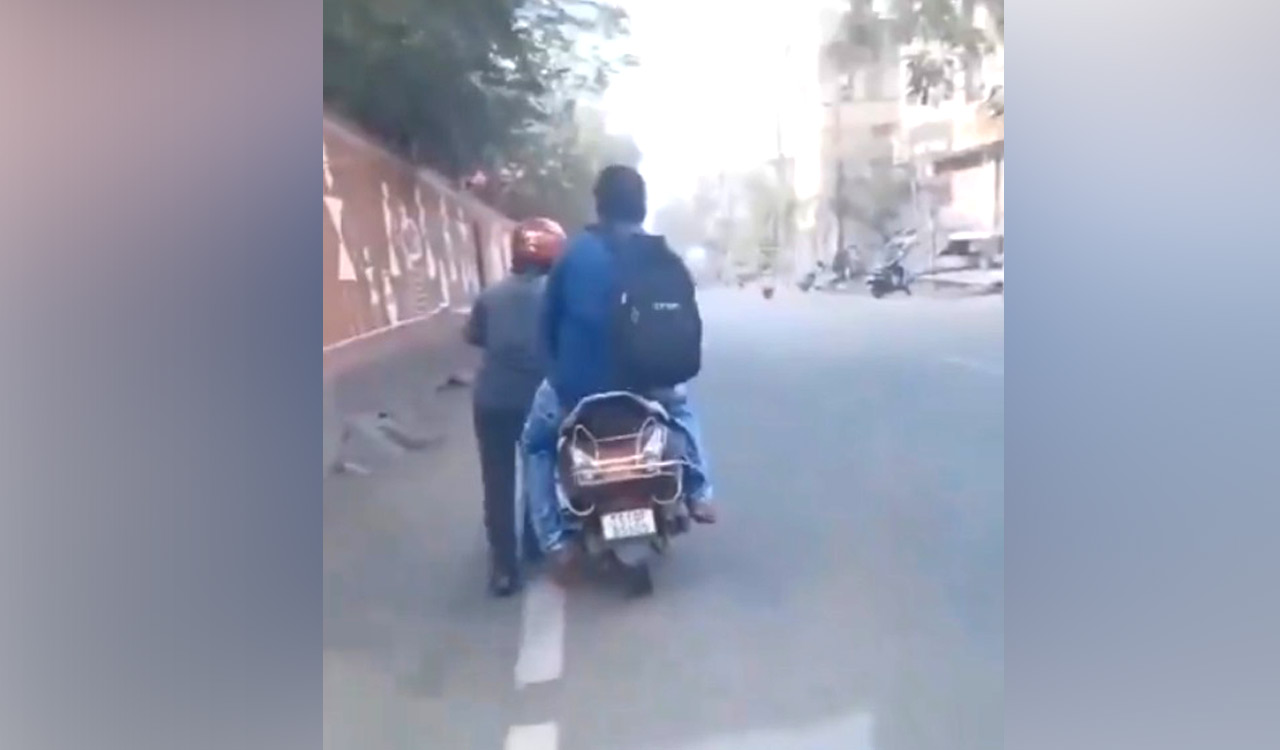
[862, 117]
[972, 165]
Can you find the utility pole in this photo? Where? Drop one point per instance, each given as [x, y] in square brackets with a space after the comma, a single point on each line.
[843, 95]
[921, 202]
[837, 149]
[782, 185]
[726, 215]
[928, 222]
[839, 204]
[781, 233]
[912, 175]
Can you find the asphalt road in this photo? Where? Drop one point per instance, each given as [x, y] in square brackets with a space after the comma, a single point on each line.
[851, 596]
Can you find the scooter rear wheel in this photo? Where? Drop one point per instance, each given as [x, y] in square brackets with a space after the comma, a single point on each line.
[631, 568]
[638, 580]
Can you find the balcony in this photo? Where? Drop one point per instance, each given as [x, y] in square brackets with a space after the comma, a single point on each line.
[864, 113]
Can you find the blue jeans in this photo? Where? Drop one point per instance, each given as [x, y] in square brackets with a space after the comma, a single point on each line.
[538, 444]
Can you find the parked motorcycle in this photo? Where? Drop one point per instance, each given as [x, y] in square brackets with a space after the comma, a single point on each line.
[891, 277]
[822, 279]
[621, 481]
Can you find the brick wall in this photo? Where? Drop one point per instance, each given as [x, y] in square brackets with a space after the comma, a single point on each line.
[401, 248]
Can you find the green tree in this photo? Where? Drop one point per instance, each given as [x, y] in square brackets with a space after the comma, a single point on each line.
[942, 33]
[770, 211]
[557, 174]
[694, 219]
[473, 85]
[743, 219]
[875, 200]
[680, 224]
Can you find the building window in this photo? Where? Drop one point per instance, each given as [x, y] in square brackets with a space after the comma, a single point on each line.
[875, 84]
[844, 89]
[973, 81]
[858, 85]
[890, 80]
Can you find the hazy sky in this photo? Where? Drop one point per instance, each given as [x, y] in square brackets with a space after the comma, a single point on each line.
[710, 84]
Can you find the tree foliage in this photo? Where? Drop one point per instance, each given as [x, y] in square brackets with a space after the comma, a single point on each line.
[744, 219]
[682, 224]
[941, 35]
[474, 85]
[708, 217]
[562, 168]
[996, 9]
[875, 200]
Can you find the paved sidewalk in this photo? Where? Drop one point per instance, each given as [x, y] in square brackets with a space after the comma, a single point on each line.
[416, 654]
[966, 277]
[379, 410]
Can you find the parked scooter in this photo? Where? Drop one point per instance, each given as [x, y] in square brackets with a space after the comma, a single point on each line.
[822, 278]
[891, 276]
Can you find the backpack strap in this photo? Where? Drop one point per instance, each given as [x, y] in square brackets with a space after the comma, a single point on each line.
[619, 245]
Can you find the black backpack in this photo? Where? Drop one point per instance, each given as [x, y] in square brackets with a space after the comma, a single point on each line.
[656, 325]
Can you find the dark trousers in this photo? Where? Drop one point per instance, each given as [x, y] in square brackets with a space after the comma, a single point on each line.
[498, 434]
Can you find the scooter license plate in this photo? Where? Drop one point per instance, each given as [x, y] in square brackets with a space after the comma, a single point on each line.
[628, 524]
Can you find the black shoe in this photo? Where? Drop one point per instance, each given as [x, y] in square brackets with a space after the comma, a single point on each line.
[702, 511]
[503, 583]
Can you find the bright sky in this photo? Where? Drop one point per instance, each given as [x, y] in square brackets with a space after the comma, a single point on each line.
[713, 76]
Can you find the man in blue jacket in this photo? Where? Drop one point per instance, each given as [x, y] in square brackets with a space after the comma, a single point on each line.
[576, 332]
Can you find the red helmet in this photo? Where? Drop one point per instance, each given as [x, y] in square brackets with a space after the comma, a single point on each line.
[536, 243]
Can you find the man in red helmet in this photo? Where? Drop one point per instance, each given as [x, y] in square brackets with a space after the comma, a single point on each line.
[504, 323]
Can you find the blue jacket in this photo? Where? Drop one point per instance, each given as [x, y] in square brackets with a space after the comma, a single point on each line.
[576, 319]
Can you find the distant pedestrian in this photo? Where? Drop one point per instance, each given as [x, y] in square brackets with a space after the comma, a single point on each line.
[841, 264]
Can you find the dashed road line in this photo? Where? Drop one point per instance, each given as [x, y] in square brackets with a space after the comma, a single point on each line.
[533, 737]
[541, 655]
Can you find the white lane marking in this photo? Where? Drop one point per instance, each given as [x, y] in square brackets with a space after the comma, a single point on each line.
[848, 733]
[975, 365]
[533, 737]
[541, 657]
